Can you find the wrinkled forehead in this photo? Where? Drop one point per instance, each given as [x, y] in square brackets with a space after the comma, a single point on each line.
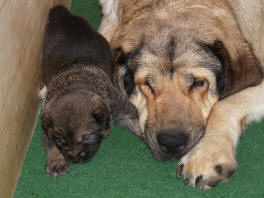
[164, 42]
[170, 57]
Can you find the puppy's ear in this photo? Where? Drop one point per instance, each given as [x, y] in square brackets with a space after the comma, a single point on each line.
[129, 122]
[239, 71]
[47, 124]
[125, 114]
[102, 116]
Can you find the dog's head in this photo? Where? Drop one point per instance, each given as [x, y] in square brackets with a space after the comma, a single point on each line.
[174, 78]
[76, 123]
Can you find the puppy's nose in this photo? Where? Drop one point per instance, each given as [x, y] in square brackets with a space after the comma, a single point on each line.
[172, 141]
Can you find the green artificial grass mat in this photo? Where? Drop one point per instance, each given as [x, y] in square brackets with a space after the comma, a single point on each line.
[124, 167]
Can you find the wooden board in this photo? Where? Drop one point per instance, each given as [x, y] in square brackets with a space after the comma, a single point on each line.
[22, 25]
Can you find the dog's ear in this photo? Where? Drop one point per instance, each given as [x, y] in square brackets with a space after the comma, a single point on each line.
[102, 116]
[124, 75]
[238, 72]
[126, 65]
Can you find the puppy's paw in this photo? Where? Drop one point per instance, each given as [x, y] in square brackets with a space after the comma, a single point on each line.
[57, 167]
[207, 165]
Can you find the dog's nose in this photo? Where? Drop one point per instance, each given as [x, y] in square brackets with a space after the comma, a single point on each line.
[172, 141]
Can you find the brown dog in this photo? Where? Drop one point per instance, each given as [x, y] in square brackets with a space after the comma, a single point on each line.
[80, 101]
[175, 59]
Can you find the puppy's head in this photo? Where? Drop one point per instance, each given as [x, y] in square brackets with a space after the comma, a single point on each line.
[77, 122]
[174, 77]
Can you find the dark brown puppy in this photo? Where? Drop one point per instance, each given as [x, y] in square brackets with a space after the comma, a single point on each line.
[79, 100]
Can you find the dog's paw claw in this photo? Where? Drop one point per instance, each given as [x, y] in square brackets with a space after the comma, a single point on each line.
[219, 170]
[198, 180]
[179, 171]
[186, 181]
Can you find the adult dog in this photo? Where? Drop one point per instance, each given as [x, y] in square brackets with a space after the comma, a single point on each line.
[181, 63]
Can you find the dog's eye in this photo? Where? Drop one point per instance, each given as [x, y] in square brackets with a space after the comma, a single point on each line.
[147, 84]
[198, 83]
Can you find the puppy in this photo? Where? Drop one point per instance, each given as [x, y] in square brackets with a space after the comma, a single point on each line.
[80, 102]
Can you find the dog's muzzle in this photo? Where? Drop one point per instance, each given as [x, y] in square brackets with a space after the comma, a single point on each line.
[172, 142]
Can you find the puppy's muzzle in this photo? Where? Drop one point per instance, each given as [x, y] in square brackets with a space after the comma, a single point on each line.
[88, 150]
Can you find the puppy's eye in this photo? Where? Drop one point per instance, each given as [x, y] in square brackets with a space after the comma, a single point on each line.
[86, 139]
[63, 141]
[198, 83]
[90, 139]
[148, 85]
[59, 141]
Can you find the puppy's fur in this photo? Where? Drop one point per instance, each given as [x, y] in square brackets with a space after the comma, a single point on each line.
[80, 102]
[175, 59]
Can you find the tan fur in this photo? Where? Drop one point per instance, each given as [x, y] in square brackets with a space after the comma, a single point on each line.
[226, 125]
[153, 22]
[230, 117]
[250, 16]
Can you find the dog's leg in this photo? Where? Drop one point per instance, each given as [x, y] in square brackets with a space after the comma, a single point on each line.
[213, 160]
[56, 165]
[110, 19]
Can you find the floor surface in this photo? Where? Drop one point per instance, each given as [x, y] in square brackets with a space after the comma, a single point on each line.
[124, 167]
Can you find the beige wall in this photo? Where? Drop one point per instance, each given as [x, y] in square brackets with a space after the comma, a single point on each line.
[22, 25]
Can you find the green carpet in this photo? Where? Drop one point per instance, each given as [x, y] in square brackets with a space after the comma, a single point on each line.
[124, 167]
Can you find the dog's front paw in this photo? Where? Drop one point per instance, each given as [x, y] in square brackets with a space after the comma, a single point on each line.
[57, 167]
[208, 164]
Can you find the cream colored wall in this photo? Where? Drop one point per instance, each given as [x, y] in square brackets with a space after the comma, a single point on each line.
[22, 24]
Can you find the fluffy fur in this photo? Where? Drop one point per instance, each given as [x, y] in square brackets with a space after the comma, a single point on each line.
[80, 102]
